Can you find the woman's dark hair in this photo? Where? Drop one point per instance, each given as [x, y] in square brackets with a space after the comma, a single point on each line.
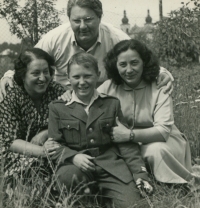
[150, 62]
[94, 5]
[21, 63]
[84, 59]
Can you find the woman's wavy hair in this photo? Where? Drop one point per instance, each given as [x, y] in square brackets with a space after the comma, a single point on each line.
[150, 62]
[21, 63]
[94, 5]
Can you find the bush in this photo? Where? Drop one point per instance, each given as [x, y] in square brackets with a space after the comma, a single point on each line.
[177, 38]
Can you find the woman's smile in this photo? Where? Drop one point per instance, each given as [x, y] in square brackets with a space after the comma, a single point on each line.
[37, 77]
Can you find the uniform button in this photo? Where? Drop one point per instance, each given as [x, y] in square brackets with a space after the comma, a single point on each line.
[90, 130]
[107, 125]
[92, 141]
[68, 126]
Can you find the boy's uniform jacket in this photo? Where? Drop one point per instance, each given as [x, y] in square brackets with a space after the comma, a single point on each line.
[78, 132]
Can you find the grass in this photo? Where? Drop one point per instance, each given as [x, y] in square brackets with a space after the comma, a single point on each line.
[186, 97]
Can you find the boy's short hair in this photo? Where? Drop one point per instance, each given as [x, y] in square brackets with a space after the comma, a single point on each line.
[84, 59]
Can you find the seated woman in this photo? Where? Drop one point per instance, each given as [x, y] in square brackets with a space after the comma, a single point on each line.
[24, 115]
[132, 69]
[82, 127]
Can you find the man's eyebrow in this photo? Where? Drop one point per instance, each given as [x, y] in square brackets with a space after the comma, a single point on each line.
[86, 18]
[89, 17]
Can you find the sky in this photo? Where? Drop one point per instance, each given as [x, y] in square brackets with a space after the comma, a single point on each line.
[113, 13]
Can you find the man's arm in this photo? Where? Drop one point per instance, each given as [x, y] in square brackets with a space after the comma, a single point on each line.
[166, 79]
[7, 79]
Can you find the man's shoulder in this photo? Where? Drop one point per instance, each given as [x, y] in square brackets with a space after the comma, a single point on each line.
[113, 31]
[59, 31]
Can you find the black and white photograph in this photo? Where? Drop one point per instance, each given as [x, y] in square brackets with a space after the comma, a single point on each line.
[99, 103]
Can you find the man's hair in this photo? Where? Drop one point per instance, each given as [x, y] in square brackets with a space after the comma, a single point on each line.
[94, 5]
[83, 59]
[150, 62]
[21, 63]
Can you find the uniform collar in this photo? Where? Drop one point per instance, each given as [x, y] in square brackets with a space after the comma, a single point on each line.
[77, 100]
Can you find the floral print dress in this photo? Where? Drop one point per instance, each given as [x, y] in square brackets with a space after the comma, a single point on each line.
[19, 119]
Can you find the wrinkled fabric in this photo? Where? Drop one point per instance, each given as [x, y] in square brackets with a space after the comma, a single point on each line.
[145, 107]
[19, 119]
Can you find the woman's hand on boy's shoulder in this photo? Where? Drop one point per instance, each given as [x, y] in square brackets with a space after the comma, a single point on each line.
[66, 97]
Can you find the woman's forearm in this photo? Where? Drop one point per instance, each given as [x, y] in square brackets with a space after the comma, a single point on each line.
[26, 148]
[121, 133]
[148, 135]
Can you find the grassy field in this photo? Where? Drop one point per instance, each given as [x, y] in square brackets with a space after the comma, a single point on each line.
[186, 98]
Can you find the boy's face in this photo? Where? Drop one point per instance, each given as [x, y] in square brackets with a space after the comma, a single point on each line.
[83, 81]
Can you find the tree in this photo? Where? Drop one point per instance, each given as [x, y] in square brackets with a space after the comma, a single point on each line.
[31, 21]
[177, 38]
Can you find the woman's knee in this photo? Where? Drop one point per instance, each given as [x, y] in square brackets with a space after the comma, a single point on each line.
[154, 149]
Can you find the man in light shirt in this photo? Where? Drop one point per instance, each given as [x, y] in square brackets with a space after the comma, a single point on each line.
[85, 32]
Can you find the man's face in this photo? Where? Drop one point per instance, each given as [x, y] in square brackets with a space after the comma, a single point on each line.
[85, 24]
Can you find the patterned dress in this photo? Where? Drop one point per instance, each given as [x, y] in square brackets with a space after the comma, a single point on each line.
[19, 119]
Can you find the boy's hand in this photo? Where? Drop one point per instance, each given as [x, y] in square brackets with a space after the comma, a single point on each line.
[143, 185]
[84, 162]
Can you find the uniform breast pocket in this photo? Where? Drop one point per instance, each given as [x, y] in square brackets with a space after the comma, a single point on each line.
[70, 131]
[106, 127]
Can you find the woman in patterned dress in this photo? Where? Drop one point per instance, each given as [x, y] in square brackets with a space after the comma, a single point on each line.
[24, 116]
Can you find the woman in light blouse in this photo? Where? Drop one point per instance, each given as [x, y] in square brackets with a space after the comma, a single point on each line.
[132, 69]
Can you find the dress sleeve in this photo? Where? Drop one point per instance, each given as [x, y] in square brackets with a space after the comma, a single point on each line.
[163, 114]
[63, 152]
[58, 89]
[9, 119]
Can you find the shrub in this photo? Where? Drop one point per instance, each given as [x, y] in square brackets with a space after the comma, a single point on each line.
[177, 38]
